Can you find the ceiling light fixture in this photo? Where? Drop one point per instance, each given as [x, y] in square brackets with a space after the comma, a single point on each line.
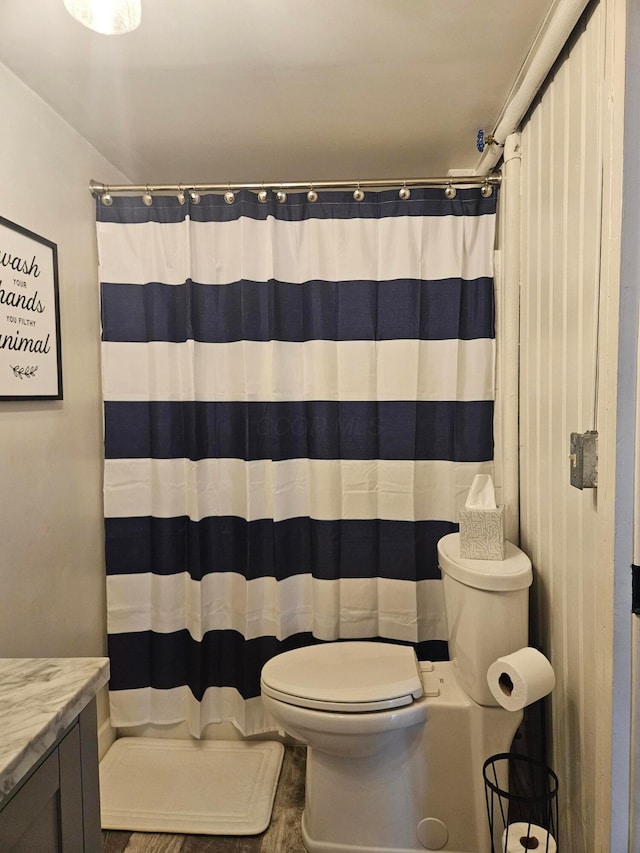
[109, 17]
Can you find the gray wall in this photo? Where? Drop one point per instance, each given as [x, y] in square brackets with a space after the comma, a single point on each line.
[51, 556]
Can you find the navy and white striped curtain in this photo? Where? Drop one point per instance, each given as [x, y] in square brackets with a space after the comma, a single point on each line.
[297, 398]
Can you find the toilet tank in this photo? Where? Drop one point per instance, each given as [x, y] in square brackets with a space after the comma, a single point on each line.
[487, 608]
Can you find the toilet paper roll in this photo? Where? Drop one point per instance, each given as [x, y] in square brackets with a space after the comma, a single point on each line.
[527, 836]
[521, 678]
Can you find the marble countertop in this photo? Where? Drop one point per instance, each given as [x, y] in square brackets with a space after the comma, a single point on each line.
[39, 698]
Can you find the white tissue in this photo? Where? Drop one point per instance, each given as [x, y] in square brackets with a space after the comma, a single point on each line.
[521, 835]
[482, 494]
[519, 679]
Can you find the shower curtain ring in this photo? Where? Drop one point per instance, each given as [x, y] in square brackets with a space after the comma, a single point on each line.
[147, 198]
[262, 195]
[312, 195]
[180, 196]
[405, 192]
[358, 194]
[486, 190]
[281, 195]
[450, 191]
[229, 196]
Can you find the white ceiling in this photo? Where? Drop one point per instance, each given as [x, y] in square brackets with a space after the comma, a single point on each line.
[278, 90]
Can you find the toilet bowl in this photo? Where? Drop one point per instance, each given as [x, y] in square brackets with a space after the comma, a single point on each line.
[350, 699]
[395, 747]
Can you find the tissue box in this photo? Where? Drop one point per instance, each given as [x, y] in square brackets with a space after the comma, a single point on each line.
[482, 534]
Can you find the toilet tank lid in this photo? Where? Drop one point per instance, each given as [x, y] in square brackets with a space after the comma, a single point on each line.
[346, 672]
[514, 572]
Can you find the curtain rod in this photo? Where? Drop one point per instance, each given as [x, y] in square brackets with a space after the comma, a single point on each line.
[99, 189]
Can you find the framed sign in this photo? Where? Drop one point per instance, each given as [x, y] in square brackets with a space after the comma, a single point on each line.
[30, 358]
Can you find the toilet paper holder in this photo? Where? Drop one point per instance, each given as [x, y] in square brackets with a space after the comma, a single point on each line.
[522, 804]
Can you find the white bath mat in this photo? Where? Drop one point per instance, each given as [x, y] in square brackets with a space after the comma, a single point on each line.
[207, 787]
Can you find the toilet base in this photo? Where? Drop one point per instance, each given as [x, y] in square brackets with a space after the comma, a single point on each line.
[423, 792]
[328, 847]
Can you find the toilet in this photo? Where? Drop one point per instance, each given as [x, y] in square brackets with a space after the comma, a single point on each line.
[395, 746]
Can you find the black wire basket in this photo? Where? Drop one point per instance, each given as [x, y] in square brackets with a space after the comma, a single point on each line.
[522, 804]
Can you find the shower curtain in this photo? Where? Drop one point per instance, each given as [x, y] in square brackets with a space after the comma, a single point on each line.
[297, 397]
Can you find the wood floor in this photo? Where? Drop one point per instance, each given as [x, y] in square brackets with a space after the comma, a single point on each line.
[282, 836]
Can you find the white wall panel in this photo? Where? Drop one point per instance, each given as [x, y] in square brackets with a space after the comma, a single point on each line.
[568, 340]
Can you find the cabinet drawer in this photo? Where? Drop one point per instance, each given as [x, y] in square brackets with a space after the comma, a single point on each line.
[56, 809]
[30, 820]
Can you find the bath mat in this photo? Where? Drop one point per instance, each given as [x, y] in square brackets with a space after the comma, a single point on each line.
[207, 787]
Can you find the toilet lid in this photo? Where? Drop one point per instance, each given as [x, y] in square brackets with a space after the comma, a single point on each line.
[344, 676]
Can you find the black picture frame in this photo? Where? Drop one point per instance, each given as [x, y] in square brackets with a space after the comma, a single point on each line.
[30, 346]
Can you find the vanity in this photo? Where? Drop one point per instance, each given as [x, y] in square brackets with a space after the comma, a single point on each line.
[49, 790]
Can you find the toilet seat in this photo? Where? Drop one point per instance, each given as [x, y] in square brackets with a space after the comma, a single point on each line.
[348, 677]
